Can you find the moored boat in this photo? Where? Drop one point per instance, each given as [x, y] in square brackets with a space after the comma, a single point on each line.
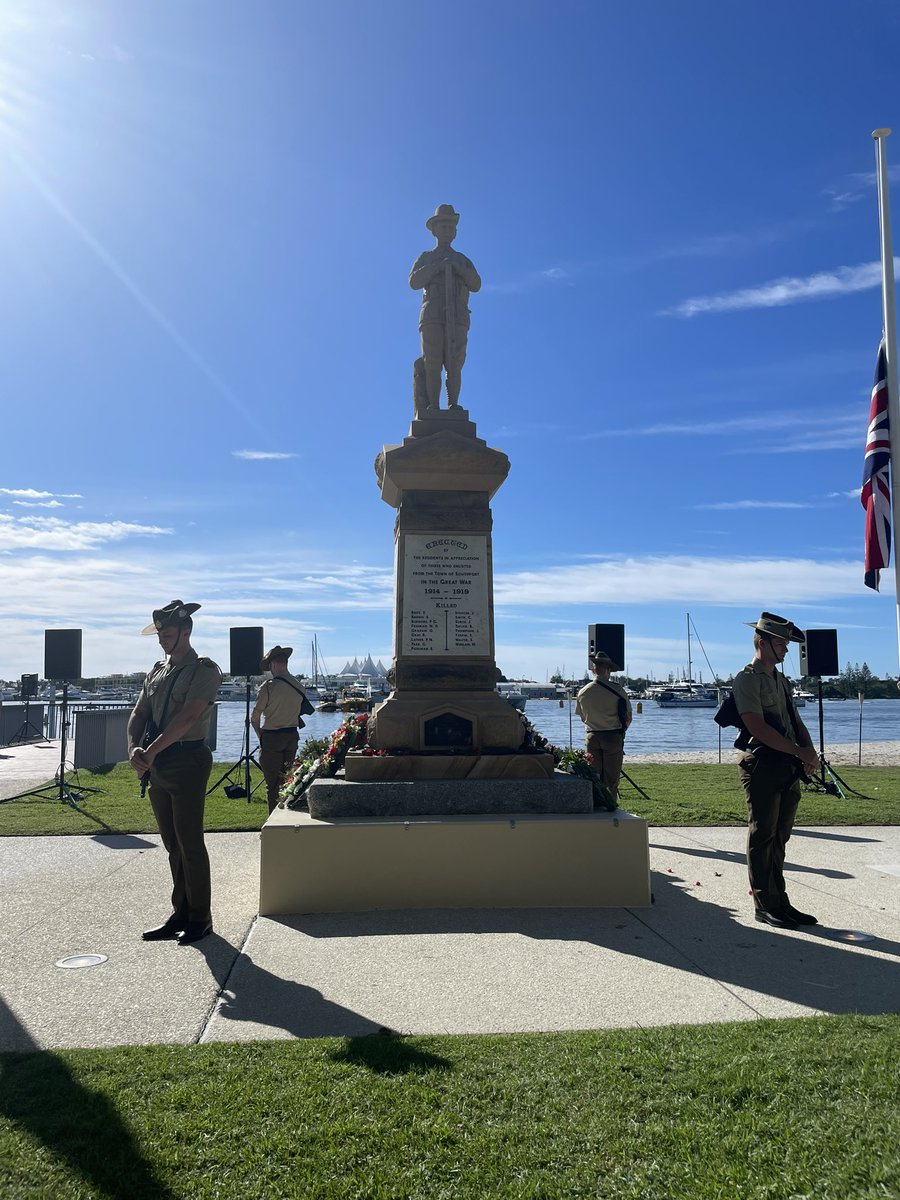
[685, 693]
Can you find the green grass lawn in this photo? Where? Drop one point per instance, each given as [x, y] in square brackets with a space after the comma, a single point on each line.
[701, 794]
[117, 807]
[761, 1110]
[680, 794]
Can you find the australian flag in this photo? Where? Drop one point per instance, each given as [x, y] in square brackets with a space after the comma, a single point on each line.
[876, 491]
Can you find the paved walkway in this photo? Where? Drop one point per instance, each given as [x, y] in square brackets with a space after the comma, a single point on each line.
[695, 956]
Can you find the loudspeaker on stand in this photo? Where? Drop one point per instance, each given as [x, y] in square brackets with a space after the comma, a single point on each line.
[819, 653]
[62, 655]
[246, 650]
[610, 639]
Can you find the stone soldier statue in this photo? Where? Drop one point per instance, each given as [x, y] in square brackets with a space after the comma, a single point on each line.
[447, 278]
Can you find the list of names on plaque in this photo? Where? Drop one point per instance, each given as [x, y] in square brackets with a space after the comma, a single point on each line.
[445, 594]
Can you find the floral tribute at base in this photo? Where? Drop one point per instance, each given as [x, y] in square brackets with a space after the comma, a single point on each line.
[323, 758]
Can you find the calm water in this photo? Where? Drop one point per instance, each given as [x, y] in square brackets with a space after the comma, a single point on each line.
[653, 731]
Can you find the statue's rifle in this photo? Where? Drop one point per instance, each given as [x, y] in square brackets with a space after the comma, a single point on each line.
[448, 320]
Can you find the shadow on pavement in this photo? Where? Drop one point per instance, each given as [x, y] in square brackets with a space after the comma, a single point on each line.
[122, 841]
[735, 857]
[251, 993]
[798, 831]
[821, 971]
[40, 1095]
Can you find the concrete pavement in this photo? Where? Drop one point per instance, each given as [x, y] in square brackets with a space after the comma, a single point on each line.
[695, 956]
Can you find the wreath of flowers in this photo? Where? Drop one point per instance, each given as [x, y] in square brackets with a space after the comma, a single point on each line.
[573, 762]
[322, 759]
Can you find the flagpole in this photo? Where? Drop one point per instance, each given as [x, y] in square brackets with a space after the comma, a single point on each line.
[888, 302]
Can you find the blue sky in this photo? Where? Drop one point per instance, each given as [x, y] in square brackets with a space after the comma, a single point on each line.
[208, 214]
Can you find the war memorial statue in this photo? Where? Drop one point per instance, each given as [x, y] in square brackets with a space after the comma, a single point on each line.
[447, 278]
[448, 804]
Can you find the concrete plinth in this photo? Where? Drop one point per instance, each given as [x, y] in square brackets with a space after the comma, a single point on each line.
[333, 799]
[594, 860]
[369, 768]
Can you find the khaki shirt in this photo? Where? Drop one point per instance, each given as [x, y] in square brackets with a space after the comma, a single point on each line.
[196, 678]
[279, 702]
[757, 690]
[598, 707]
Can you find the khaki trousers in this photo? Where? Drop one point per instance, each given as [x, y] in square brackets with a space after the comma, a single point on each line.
[178, 780]
[772, 797]
[277, 751]
[607, 749]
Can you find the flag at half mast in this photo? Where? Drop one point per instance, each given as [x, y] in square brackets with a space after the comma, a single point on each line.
[876, 490]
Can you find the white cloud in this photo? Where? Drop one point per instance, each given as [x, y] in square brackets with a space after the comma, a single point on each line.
[856, 187]
[658, 579]
[823, 285]
[536, 279]
[52, 533]
[34, 494]
[740, 504]
[110, 595]
[256, 455]
[836, 430]
[37, 504]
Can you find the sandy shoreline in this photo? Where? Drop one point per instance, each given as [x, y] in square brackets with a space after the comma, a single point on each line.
[874, 754]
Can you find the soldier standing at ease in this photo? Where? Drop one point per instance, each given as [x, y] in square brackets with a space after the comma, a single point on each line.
[779, 747]
[279, 701]
[174, 708]
[606, 712]
[447, 277]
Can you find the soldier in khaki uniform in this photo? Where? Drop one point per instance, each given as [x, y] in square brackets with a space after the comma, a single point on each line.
[447, 277]
[606, 712]
[278, 702]
[175, 706]
[779, 747]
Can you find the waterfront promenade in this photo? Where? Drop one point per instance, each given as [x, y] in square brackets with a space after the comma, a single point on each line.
[695, 956]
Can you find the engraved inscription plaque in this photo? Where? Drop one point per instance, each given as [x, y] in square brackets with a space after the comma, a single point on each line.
[445, 595]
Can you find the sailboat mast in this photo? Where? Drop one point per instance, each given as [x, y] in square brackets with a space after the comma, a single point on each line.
[690, 671]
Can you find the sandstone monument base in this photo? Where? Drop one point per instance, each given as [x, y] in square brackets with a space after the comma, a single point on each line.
[589, 860]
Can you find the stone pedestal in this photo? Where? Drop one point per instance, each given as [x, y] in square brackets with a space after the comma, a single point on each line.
[441, 480]
[590, 860]
[361, 768]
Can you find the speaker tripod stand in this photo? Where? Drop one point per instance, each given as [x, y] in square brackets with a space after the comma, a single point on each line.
[235, 790]
[60, 789]
[828, 779]
[28, 731]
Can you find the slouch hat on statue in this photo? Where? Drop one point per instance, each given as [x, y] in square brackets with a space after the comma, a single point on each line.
[443, 212]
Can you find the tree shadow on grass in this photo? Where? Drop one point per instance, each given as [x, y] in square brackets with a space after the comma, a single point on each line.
[389, 1054]
[40, 1095]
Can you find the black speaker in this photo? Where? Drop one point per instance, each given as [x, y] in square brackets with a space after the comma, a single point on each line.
[28, 687]
[62, 655]
[819, 653]
[610, 639]
[247, 650]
